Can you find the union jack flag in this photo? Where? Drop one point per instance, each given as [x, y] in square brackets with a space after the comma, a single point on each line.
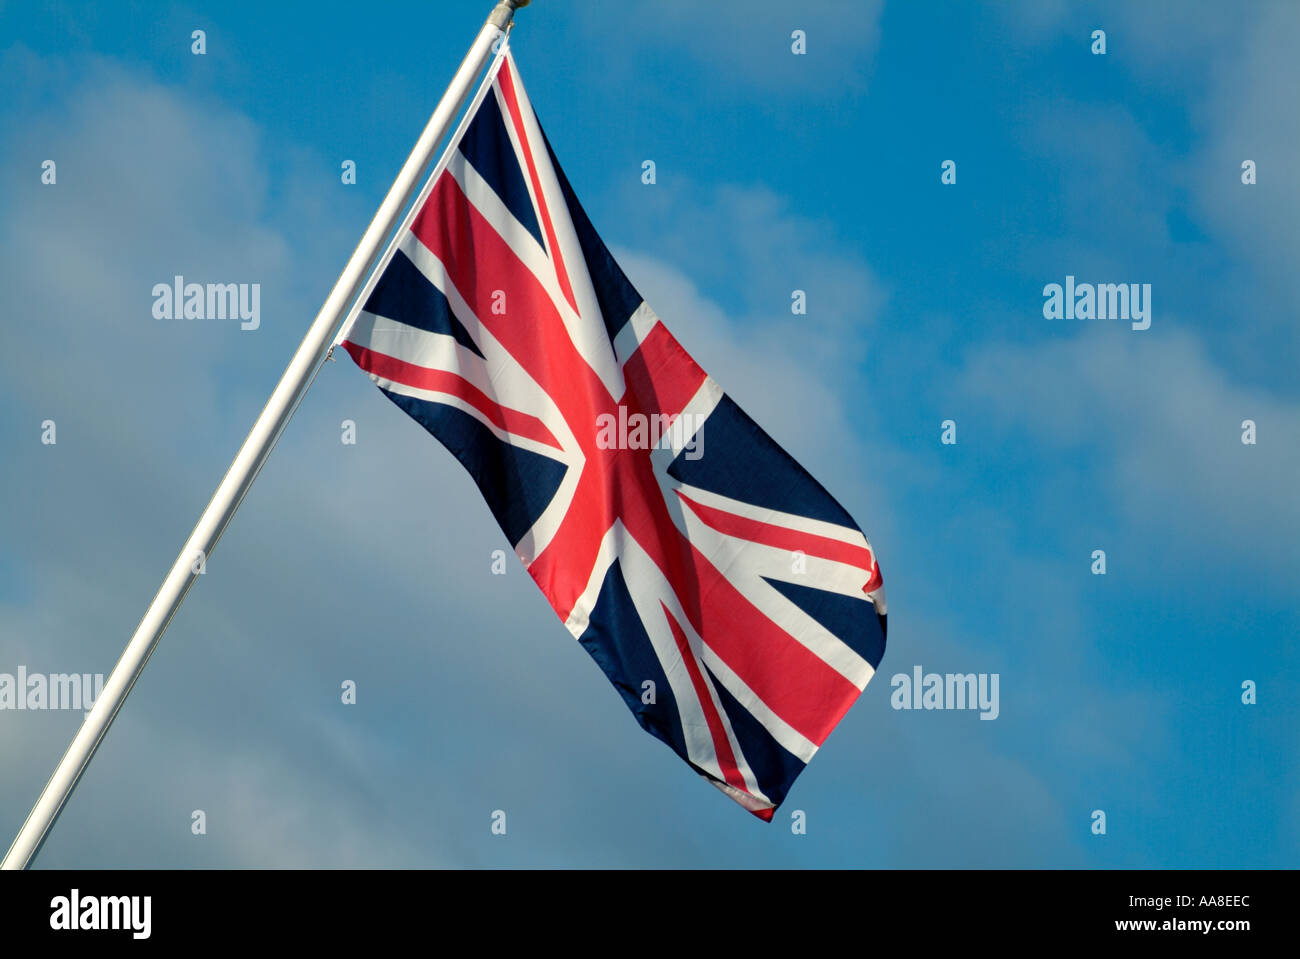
[734, 605]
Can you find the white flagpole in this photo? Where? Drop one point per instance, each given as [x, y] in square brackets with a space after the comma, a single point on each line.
[257, 447]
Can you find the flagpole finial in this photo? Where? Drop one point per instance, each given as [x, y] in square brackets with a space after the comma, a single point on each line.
[504, 12]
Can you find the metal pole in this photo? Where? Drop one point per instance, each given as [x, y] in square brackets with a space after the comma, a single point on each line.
[257, 447]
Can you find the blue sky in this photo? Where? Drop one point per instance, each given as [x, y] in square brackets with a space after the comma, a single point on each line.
[775, 172]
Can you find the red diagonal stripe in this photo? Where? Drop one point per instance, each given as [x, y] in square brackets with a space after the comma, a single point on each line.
[796, 684]
[440, 381]
[721, 745]
[507, 87]
[782, 537]
[479, 262]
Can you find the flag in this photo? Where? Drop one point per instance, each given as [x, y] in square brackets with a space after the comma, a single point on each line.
[735, 606]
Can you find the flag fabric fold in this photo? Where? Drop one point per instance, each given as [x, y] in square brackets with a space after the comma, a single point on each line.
[732, 602]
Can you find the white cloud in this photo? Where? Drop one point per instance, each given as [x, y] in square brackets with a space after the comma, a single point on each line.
[1162, 424]
[1250, 115]
[749, 42]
